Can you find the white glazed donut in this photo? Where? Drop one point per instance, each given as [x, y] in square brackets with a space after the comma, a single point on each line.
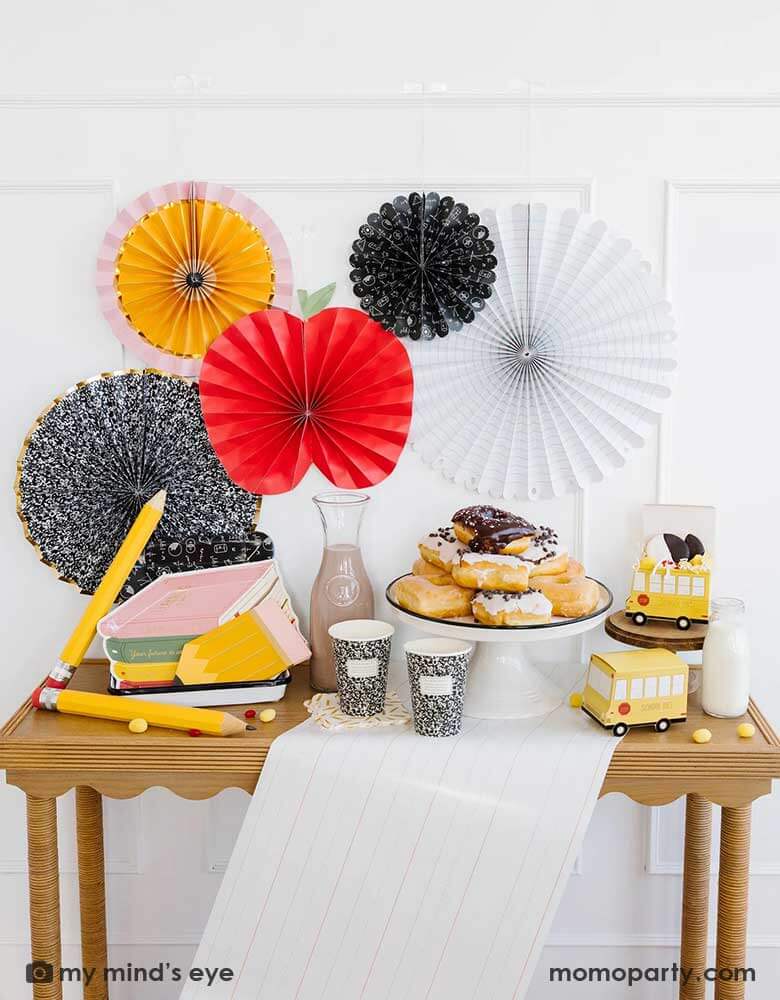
[502, 608]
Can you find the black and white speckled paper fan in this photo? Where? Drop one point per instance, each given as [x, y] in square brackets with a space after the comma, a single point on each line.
[423, 265]
[101, 450]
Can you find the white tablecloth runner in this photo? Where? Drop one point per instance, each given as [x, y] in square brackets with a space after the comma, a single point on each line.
[382, 865]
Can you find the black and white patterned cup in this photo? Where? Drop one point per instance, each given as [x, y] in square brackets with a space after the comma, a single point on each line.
[361, 649]
[437, 678]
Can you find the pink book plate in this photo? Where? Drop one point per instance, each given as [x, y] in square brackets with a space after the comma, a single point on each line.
[185, 603]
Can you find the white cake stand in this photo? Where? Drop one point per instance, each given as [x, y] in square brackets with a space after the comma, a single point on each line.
[502, 681]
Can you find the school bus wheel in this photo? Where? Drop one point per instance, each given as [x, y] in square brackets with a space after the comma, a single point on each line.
[619, 729]
[639, 618]
[683, 623]
[662, 725]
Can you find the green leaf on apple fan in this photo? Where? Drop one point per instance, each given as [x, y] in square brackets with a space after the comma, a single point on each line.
[316, 301]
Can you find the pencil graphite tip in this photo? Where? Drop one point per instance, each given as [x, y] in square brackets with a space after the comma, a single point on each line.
[158, 500]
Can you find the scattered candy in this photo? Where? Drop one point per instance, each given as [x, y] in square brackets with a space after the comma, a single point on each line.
[195, 732]
[250, 713]
[575, 699]
[702, 736]
[268, 715]
[746, 730]
[138, 725]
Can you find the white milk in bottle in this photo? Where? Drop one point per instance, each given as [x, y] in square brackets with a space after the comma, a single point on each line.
[725, 674]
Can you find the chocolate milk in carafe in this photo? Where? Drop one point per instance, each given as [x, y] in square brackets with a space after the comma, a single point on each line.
[342, 590]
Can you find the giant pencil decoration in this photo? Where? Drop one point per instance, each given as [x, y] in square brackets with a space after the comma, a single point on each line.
[131, 548]
[106, 706]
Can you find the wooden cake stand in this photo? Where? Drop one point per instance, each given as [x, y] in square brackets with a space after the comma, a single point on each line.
[655, 633]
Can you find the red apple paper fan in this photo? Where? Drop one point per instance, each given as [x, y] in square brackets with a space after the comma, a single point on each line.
[279, 393]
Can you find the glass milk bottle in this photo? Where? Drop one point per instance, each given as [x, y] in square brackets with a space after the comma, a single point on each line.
[342, 590]
[725, 673]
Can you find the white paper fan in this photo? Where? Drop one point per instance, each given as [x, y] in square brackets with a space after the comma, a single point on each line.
[562, 374]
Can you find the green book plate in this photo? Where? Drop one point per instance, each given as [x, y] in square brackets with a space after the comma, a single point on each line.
[165, 649]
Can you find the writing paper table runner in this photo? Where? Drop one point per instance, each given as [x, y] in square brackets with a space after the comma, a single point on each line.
[379, 864]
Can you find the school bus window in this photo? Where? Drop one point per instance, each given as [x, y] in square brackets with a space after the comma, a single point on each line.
[639, 581]
[636, 687]
[664, 686]
[698, 586]
[655, 584]
[651, 687]
[621, 690]
[668, 584]
[677, 684]
[684, 586]
[599, 681]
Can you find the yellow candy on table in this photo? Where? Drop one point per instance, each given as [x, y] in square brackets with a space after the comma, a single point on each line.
[702, 736]
[575, 699]
[746, 730]
[138, 725]
[267, 715]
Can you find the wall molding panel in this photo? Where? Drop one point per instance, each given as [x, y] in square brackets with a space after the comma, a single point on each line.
[675, 189]
[417, 97]
[131, 816]
[581, 188]
[60, 185]
[657, 863]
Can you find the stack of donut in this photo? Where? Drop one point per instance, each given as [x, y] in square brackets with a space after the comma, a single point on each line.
[498, 567]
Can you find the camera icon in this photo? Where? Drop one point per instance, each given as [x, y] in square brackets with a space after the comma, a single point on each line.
[40, 972]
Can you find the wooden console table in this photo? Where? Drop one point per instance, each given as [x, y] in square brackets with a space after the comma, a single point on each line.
[46, 755]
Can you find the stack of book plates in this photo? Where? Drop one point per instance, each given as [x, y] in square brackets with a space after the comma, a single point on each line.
[223, 636]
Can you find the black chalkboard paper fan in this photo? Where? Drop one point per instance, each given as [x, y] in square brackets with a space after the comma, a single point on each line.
[423, 265]
[165, 554]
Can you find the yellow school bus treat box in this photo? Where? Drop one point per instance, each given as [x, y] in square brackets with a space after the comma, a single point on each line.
[672, 581]
[646, 687]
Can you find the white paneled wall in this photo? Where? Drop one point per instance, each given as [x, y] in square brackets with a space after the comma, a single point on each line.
[643, 121]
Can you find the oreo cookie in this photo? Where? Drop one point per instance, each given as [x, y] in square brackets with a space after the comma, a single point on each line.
[695, 545]
[678, 549]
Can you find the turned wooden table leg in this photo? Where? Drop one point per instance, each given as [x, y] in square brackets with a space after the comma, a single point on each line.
[695, 895]
[732, 900]
[92, 890]
[44, 883]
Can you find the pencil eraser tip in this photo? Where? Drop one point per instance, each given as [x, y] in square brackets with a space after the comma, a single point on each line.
[35, 697]
[52, 683]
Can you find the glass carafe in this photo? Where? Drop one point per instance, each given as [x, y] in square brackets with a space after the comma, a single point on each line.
[342, 590]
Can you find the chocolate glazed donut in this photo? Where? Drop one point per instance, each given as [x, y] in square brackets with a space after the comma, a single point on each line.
[493, 529]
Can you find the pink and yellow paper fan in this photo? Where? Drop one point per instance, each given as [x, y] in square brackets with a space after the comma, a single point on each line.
[183, 262]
